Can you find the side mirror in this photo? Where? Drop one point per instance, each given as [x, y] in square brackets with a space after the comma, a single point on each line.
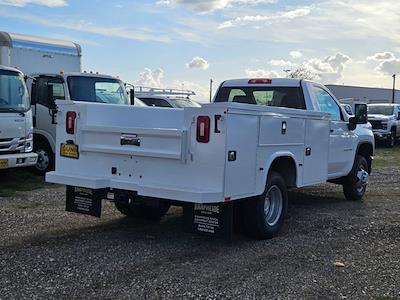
[132, 96]
[360, 116]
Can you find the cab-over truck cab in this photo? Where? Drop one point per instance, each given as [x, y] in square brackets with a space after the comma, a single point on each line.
[240, 153]
[16, 131]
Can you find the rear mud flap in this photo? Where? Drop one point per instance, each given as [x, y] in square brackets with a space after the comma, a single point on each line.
[209, 219]
[85, 201]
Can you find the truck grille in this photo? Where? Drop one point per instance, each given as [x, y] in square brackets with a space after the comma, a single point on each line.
[376, 124]
[14, 145]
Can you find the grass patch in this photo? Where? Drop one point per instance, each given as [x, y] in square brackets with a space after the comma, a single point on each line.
[387, 158]
[19, 180]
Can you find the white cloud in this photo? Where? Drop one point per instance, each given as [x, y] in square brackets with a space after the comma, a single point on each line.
[205, 6]
[389, 67]
[382, 56]
[151, 78]
[261, 73]
[84, 26]
[295, 54]
[198, 63]
[21, 3]
[281, 63]
[202, 91]
[329, 69]
[267, 18]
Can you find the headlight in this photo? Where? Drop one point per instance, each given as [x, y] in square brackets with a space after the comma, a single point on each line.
[29, 143]
[384, 126]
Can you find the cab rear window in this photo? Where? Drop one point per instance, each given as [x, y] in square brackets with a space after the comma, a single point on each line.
[289, 97]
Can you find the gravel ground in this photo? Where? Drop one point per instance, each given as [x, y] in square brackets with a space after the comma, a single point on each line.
[48, 253]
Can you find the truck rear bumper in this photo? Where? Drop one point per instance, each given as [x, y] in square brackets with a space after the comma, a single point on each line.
[19, 160]
[165, 192]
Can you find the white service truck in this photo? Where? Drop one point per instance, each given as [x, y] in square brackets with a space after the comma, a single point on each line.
[234, 157]
[385, 120]
[54, 69]
[16, 130]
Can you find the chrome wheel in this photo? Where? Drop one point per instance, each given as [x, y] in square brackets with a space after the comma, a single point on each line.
[43, 161]
[273, 205]
[362, 179]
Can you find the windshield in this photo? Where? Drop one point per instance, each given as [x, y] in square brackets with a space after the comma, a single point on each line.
[380, 110]
[181, 103]
[13, 92]
[95, 89]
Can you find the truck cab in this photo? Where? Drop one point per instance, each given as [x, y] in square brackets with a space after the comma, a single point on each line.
[385, 120]
[45, 89]
[16, 130]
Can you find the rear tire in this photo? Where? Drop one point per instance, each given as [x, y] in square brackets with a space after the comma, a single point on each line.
[46, 158]
[140, 211]
[265, 214]
[355, 184]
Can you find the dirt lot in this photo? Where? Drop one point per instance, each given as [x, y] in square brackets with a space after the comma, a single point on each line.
[47, 253]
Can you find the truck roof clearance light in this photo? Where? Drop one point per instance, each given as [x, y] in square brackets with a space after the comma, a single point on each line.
[70, 122]
[203, 129]
[260, 81]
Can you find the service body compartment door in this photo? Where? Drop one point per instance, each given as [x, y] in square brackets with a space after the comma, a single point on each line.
[241, 156]
[315, 168]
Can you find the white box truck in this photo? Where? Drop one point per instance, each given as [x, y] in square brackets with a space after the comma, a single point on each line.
[54, 69]
[259, 138]
[16, 131]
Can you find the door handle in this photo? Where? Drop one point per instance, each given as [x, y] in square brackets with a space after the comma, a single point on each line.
[217, 118]
[130, 140]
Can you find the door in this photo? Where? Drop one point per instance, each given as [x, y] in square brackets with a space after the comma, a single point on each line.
[42, 105]
[342, 141]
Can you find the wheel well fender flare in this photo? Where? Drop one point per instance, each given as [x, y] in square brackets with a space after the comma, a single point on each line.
[280, 161]
[366, 149]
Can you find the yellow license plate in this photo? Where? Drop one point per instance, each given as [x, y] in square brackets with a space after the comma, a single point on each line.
[69, 150]
[3, 163]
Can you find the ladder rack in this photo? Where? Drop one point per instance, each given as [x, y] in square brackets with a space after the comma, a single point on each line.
[148, 91]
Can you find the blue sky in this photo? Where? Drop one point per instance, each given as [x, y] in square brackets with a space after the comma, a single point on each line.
[175, 43]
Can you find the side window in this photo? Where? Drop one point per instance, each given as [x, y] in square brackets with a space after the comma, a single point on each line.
[58, 90]
[155, 102]
[327, 104]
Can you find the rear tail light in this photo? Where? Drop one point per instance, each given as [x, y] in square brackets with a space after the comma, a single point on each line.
[70, 124]
[203, 129]
[260, 81]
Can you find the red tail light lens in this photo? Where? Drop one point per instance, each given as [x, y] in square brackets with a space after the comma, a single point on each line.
[203, 129]
[260, 81]
[70, 123]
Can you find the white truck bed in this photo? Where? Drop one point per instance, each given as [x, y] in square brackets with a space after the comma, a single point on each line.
[168, 162]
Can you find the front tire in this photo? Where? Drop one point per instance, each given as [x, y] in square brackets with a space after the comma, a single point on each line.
[46, 158]
[356, 182]
[391, 139]
[265, 214]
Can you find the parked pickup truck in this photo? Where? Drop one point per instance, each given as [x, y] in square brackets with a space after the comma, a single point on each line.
[231, 160]
[385, 120]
